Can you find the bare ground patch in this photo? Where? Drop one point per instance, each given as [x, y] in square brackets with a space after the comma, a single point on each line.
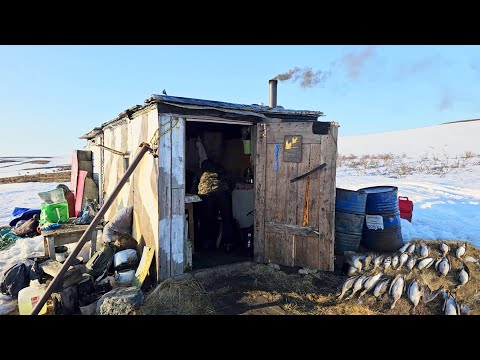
[260, 289]
[61, 176]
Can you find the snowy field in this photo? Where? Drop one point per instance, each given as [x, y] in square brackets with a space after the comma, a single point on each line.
[11, 196]
[17, 166]
[21, 195]
[437, 167]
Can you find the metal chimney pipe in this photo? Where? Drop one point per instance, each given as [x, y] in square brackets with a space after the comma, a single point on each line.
[273, 93]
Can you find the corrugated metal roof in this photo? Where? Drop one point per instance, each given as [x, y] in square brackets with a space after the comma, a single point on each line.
[258, 111]
[91, 134]
[224, 105]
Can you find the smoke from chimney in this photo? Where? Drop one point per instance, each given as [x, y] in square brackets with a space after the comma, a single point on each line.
[308, 77]
[354, 62]
[421, 65]
[446, 102]
[288, 75]
[416, 67]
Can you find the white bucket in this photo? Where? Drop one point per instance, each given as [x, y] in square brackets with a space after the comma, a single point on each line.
[124, 257]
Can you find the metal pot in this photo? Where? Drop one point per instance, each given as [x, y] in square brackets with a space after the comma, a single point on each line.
[89, 309]
[124, 277]
[61, 253]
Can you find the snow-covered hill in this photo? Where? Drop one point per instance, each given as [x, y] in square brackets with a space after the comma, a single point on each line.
[453, 139]
[437, 167]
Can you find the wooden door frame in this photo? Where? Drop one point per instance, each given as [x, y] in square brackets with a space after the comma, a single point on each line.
[171, 196]
[327, 233]
[171, 191]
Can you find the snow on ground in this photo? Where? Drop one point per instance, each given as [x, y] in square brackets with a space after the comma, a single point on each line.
[446, 206]
[11, 196]
[21, 195]
[16, 166]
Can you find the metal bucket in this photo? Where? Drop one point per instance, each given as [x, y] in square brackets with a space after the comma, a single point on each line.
[61, 253]
[89, 309]
[382, 227]
[349, 219]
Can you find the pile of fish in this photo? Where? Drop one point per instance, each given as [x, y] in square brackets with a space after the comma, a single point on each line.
[409, 256]
[379, 285]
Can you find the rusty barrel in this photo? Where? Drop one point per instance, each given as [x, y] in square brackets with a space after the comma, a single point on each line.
[382, 228]
[349, 219]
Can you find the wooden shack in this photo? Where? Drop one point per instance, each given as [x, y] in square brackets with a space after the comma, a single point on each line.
[293, 221]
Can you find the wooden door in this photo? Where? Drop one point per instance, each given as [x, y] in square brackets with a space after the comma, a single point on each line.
[284, 151]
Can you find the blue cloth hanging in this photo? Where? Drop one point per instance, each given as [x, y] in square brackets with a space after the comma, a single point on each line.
[277, 150]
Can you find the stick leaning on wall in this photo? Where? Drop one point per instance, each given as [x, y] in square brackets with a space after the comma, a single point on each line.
[145, 147]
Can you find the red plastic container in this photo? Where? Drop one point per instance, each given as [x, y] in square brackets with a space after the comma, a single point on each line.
[71, 204]
[406, 208]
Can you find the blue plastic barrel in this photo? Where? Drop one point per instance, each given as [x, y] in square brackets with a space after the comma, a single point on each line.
[382, 228]
[349, 219]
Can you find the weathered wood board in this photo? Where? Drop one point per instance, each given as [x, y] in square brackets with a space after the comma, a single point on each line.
[280, 235]
[143, 266]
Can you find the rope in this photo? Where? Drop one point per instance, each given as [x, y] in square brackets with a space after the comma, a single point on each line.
[155, 138]
[111, 150]
[153, 144]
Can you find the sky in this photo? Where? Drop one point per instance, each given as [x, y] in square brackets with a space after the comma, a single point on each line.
[51, 95]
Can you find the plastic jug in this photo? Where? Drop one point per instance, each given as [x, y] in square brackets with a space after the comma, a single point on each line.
[28, 297]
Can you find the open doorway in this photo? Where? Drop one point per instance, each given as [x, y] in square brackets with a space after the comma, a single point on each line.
[219, 171]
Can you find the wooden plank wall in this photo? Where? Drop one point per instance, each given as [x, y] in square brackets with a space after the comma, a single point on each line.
[279, 233]
[164, 200]
[171, 199]
[141, 190]
[144, 184]
[330, 186]
[178, 198]
[116, 137]
[96, 158]
[260, 250]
